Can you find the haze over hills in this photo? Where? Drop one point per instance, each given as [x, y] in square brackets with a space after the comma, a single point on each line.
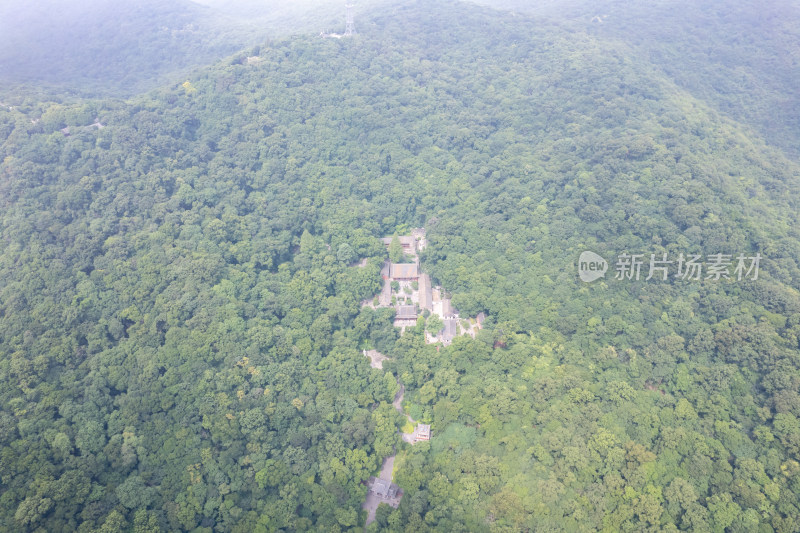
[108, 48]
[297, 15]
[182, 323]
[104, 47]
[739, 57]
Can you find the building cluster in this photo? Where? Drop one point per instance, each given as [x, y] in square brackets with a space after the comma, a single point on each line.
[412, 294]
[415, 294]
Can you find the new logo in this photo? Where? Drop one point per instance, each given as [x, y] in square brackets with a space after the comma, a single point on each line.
[591, 266]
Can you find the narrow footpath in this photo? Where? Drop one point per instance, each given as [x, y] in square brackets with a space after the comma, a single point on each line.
[372, 501]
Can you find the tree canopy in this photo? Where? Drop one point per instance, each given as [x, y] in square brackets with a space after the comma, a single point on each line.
[181, 317]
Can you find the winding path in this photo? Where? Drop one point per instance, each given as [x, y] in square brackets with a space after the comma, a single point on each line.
[398, 404]
[372, 501]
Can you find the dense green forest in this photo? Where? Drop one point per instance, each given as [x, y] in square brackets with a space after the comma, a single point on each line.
[181, 327]
[738, 57]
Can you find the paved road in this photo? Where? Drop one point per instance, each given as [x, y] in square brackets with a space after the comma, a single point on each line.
[388, 466]
[386, 294]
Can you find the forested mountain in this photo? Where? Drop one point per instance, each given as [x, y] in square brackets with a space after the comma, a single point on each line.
[738, 57]
[181, 327]
[110, 48]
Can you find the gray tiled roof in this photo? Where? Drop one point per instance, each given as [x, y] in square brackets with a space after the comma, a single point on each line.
[403, 271]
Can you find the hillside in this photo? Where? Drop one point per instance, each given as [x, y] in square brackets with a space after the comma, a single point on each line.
[739, 57]
[101, 48]
[182, 330]
[107, 48]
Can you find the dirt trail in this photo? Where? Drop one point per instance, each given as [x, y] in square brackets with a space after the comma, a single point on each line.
[398, 404]
[376, 358]
[372, 501]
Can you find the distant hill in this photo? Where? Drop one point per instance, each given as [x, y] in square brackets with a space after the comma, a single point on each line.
[740, 57]
[111, 48]
[105, 47]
